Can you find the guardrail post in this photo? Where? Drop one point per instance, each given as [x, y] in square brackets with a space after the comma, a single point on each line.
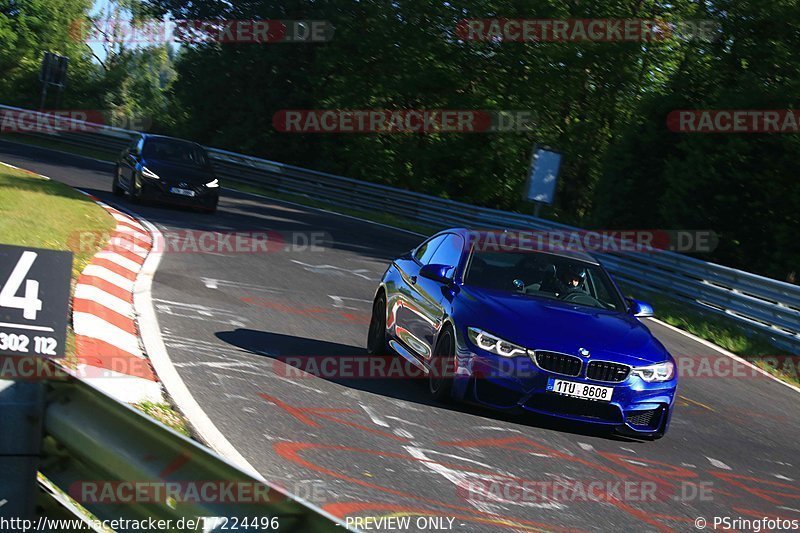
[21, 415]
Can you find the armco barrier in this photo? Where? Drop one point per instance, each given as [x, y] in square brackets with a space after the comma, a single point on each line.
[764, 304]
[121, 465]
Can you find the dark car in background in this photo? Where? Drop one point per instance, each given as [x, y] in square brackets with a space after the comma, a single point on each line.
[164, 169]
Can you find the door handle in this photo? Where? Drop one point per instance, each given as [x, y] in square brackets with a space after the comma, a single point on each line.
[413, 280]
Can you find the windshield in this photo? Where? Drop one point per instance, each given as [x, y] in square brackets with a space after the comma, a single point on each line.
[543, 275]
[175, 151]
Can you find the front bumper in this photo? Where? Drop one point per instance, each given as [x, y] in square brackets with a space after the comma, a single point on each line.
[636, 407]
[159, 191]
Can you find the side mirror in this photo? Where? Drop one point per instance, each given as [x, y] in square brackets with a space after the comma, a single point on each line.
[436, 273]
[640, 308]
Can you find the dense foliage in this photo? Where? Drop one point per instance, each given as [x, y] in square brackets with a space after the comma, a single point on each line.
[604, 104]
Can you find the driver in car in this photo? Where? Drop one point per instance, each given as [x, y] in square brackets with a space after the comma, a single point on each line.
[570, 282]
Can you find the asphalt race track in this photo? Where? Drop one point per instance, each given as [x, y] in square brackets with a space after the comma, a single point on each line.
[379, 447]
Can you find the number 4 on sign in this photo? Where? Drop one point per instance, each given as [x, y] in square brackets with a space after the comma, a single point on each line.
[30, 303]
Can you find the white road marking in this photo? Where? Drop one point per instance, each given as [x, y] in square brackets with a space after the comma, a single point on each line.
[406, 422]
[120, 260]
[122, 387]
[403, 433]
[779, 476]
[123, 218]
[377, 420]
[335, 270]
[151, 336]
[136, 234]
[586, 447]
[718, 463]
[338, 302]
[461, 480]
[185, 310]
[90, 292]
[688, 465]
[95, 327]
[498, 428]
[111, 277]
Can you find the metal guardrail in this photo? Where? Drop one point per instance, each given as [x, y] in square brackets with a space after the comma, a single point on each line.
[119, 464]
[770, 306]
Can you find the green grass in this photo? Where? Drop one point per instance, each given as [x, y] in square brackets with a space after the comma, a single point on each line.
[165, 414]
[41, 213]
[47, 214]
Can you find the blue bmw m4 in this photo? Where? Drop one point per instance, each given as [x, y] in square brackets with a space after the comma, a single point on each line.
[516, 327]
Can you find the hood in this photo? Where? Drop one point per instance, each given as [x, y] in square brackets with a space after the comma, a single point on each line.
[172, 172]
[544, 324]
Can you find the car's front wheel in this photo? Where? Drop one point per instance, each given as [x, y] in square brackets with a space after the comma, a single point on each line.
[440, 371]
[376, 336]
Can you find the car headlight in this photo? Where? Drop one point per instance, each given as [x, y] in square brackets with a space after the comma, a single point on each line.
[656, 373]
[213, 183]
[491, 343]
[147, 173]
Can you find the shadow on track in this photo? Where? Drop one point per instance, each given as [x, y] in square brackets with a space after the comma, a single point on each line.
[303, 358]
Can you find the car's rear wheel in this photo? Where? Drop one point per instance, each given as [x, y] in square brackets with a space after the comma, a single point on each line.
[440, 375]
[376, 336]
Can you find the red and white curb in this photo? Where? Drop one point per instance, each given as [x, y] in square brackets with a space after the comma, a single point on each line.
[103, 316]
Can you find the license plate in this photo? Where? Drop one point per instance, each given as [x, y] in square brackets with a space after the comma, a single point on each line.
[182, 192]
[580, 390]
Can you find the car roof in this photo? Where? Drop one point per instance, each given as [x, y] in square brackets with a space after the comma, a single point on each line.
[471, 235]
[167, 138]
